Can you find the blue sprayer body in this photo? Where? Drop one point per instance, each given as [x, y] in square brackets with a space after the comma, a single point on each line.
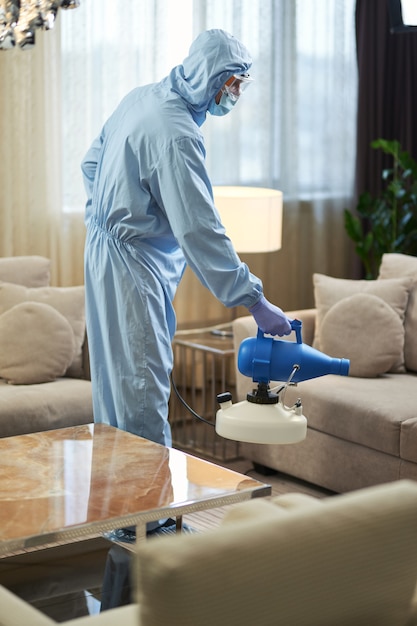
[264, 359]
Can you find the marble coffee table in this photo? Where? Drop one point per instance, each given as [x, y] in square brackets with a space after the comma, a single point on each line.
[74, 483]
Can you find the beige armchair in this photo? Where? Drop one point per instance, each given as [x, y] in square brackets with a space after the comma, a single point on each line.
[348, 560]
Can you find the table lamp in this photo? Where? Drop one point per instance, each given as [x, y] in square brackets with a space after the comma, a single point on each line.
[252, 217]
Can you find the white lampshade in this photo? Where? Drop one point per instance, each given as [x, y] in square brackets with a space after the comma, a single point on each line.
[252, 217]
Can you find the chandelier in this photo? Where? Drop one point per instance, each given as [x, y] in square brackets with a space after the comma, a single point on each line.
[19, 19]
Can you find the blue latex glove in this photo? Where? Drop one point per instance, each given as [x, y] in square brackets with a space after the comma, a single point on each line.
[270, 318]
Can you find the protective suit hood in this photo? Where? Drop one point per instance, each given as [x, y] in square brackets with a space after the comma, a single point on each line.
[214, 56]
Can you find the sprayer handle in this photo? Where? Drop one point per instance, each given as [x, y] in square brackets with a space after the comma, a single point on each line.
[296, 325]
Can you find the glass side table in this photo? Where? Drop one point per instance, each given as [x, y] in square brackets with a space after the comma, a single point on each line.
[204, 364]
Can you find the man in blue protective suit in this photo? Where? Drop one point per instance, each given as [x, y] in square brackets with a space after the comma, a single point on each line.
[149, 212]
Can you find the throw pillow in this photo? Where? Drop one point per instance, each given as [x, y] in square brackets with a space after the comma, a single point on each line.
[31, 271]
[396, 265]
[366, 330]
[69, 301]
[328, 291]
[37, 344]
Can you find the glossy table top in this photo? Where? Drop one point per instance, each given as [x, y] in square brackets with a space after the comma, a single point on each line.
[76, 482]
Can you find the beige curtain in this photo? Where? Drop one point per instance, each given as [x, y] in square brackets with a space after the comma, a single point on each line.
[31, 218]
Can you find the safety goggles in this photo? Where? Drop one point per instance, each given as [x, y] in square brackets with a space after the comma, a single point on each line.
[236, 85]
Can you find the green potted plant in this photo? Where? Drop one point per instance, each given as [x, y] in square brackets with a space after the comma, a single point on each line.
[387, 223]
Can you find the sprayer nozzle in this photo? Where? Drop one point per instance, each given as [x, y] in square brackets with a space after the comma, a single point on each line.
[342, 367]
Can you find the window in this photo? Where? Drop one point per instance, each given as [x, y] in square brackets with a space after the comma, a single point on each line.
[295, 127]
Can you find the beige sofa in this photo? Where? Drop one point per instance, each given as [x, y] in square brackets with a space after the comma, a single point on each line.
[349, 560]
[362, 429]
[44, 372]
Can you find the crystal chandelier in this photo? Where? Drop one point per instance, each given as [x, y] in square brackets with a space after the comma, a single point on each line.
[19, 20]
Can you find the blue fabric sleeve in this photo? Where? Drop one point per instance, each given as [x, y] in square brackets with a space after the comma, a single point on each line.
[182, 187]
[89, 166]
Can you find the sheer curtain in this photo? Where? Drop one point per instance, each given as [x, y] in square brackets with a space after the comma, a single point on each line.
[294, 129]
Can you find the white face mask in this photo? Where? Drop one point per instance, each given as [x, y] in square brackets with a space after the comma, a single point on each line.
[231, 93]
[225, 105]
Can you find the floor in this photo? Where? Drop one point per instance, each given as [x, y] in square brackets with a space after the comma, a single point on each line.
[74, 605]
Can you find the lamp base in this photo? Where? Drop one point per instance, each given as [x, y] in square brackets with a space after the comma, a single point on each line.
[261, 423]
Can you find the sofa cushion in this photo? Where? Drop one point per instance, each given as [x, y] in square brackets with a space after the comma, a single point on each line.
[396, 266]
[363, 319]
[328, 291]
[365, 411]
[37, 344]
[69, 301]
[34, 408]
[31, 271]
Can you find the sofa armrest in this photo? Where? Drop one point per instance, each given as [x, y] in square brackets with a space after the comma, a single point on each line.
[308, 318]
[291, 501]
[268, 508]
[17, 612]
[127, 615]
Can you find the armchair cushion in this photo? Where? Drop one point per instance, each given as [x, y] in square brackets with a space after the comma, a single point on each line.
[68, 301]
[37, 344]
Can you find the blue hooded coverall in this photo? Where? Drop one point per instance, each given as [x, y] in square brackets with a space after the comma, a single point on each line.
[149, 212]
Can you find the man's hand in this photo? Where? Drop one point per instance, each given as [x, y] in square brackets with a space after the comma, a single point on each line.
[270, 318]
